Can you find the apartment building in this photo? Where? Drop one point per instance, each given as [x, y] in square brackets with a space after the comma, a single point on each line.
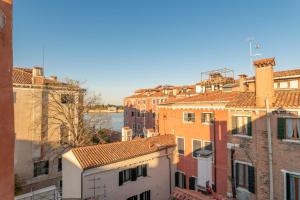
[140, 109]
[199, 124]
[6, 102]
[140, 169]
[264, 135]
[39, 138]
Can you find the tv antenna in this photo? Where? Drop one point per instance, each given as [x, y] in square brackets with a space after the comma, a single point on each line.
[254, 47]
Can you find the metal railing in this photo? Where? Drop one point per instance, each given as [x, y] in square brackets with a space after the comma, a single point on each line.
[48, 193]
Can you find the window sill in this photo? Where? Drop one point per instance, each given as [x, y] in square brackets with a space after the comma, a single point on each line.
[291, 141]
[188, 122]
[243, 190]
[242, 136]
[207, 123]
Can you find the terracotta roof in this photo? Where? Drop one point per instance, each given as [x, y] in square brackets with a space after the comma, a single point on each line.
[99, 155]
[22, 75]
[184, 194]
[217, 96]
[283, 99]
[266, 61]
[284, 73]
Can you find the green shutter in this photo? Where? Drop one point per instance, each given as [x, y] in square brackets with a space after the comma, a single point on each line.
[249, 127]
[251, 179]
[281, 128]
[144, 170]
[192, 182]
[288, 189]
[184, 181]
[133, 173]
[176, 179]
[236, 174]
[234, 125]
[202, 117]
[120, 178]
[212, 117]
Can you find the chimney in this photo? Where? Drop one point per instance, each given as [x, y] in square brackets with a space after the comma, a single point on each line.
[53, 78]
[264, 81]
[37, 71]
[243, 86]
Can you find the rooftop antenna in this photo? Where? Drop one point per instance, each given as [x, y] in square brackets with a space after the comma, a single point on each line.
[43, 54]
[253, 48]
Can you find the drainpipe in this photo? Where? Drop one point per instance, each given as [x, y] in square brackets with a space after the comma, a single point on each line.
[82, 184]
[170, 174]
[270, 152]
[232, 151]
[215, 153]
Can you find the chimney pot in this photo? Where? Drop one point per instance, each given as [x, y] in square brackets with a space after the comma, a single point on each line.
[37, 71]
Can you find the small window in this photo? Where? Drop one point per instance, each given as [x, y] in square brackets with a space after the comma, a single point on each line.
[153, 115]
[294, 84]
[135, 197]
[283, 85]
[196, 148]
[132, 114]
[153, 101]
[245, 177]
[292, 186]
[67, 98]
[180, 180]
[189, 117]
[207, 146]
[41, 168]
[145, 195]
[207, 118]
[192, 183]
[133, 126]
[180, 146]
[138, 127]
[242, 125]
[289, 128]
[138, 113]
[59, 167]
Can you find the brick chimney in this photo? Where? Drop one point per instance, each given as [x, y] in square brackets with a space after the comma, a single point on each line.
[38, 75]
[243, 86]
[264, 81]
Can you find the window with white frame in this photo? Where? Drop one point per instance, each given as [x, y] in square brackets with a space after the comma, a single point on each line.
[241, 125]
[180, 145]
[180, 180]
[145, 195]
[197, 147]
[294, 84]
[189, 117]
[192, 183]
[207, 118]
[292, 186]
[41, 168]
[283, 85]
[288, 128]
[245, 176]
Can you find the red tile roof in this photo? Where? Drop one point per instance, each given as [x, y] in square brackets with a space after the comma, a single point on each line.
[22, 76]
[283, 99]
[284, 73]
[184, 194]
[99, 155]
[217, 96]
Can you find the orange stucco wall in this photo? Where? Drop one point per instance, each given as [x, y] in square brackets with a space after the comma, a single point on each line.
[6, 106]
[171, 122]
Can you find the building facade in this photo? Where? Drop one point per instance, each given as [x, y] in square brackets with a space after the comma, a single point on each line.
[138, 169]
[6, 102]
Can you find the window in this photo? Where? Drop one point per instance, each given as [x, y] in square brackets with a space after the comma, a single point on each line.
[245, 177]
[242, 125]
[275, 85]
[153, 101]
[132, 174]
[133, 126]
[132, 114]
[41, 168]
[192, 183]
[207, 145]
[153, 115]
[67, 98]
[135, 197]
[59, 167]
[180, 180]
[294, 84]
[64, 134]
[288, 128]
[292, 185]
[196, 148]
[283, 85]
[180, 145]
[207, 118]
[145, 195]
[189, 117]
[138, 113]
[138, 127]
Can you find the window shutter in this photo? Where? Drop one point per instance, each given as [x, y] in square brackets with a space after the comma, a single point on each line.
[144, 170]
[176, 179]
[192, 183]
[288, 190]
[280, 128]
[35, 170]
[202, 118]
[142, 196]
[212, 117]
[133, 173]
[148, 194]
[249, 127]
[234, 125]
[251, 179]
[236, 174]
[184, 181]
[120, 178]
[47, 167]
[186, 117]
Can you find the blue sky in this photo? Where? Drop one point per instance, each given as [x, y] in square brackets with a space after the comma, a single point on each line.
[117, 46]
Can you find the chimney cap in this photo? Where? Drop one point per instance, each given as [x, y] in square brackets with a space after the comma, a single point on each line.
[264, 62]
[242, 75]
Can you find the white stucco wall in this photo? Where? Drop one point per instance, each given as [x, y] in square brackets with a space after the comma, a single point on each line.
[71, 176]
[107, 178]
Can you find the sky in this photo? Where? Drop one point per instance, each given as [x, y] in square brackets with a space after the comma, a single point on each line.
[117, 46]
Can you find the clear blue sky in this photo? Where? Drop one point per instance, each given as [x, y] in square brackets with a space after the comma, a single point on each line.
[119, 46]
